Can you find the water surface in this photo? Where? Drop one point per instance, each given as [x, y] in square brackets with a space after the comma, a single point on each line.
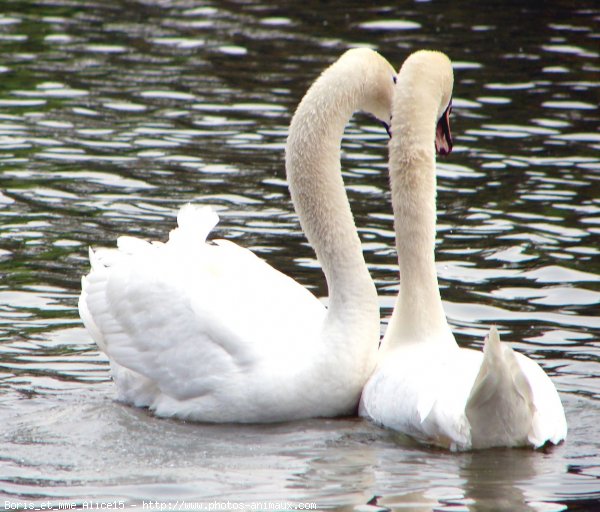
[115, 113]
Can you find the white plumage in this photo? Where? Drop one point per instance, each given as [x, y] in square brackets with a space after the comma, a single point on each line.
[425, 385]
[209, 331]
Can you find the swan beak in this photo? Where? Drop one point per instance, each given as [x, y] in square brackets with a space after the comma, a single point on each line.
[443, 136]
[387, 129]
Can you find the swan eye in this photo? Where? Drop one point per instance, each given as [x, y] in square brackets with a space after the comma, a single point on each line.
[395, 78]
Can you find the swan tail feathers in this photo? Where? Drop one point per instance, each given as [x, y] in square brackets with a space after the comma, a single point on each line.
[500, 407]
[194, 223]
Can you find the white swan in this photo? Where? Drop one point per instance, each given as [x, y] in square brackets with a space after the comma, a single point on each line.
[209, 331]
[425, 385]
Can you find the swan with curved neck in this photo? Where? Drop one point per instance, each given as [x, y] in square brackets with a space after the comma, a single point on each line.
[425, 385]
[210, 332]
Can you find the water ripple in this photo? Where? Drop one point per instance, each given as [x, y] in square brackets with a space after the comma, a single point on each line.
[112, 118]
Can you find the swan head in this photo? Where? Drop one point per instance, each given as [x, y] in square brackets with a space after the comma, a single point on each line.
[376, 85]
[428, 76]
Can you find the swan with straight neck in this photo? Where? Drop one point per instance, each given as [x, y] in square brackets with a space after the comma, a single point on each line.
[425, 385]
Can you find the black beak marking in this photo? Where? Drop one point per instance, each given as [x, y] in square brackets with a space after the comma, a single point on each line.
[387, 129]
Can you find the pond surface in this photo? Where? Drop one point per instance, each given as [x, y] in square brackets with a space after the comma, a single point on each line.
[115, 113]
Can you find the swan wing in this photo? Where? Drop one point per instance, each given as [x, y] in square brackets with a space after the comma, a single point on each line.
[513, 402]
[500, 406]
[191, 316]
[549, 423]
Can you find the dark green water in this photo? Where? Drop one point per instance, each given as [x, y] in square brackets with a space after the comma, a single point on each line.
[115, 113]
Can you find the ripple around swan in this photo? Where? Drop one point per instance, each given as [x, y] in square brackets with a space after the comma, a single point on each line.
[112, 118]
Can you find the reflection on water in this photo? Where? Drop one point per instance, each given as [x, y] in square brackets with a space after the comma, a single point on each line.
[113, 114]
[125, 453]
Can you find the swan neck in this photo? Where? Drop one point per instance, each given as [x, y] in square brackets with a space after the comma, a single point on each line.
[317, 189]
[418, 315]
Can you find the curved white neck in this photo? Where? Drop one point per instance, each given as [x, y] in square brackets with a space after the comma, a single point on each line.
[317, 190]
[418, 313]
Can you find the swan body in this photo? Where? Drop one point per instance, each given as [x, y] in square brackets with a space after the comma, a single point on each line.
[209, 331]
[424, 384]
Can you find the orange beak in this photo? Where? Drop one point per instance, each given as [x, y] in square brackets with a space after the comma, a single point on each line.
[443, 136]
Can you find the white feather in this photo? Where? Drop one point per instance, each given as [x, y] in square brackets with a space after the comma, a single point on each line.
[209, 331]
[424, 384]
